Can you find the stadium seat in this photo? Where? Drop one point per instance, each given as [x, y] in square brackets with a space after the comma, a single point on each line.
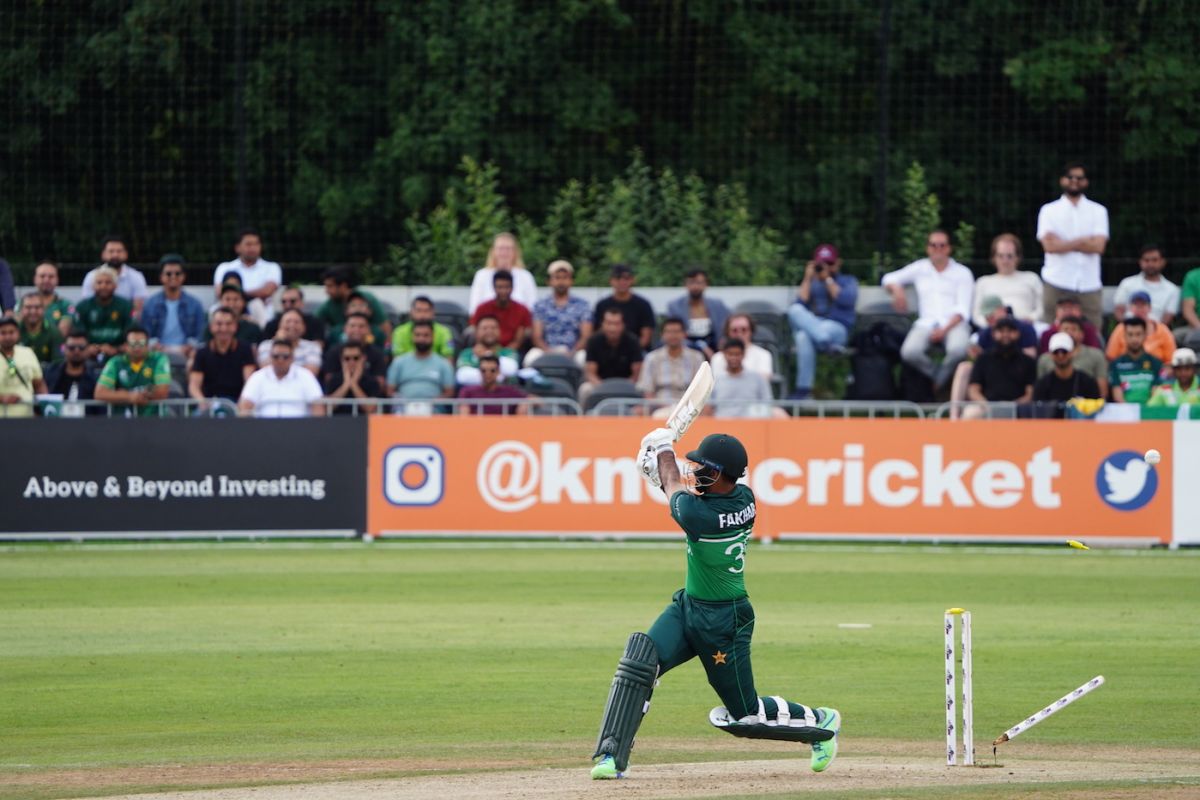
[610, 388]
[765, 315]
[551, 387]
[560, 365]
[452, 315]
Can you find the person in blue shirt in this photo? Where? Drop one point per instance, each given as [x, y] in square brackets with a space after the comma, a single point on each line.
[174, 319]
[823, 314]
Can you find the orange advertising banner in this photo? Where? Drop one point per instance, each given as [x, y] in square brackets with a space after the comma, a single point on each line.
[1021, 480]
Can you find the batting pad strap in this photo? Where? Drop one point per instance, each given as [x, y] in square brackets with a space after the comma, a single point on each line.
[782, 715]
[628, 699]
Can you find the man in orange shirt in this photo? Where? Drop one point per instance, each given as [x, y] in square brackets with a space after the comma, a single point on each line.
[1160, 343]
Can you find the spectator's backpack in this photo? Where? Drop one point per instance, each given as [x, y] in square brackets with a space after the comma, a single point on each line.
[872, 368]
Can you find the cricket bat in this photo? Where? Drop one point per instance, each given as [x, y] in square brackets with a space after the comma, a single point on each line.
[692, 402]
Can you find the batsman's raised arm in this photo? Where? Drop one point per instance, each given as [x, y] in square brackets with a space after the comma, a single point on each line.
[668, 472]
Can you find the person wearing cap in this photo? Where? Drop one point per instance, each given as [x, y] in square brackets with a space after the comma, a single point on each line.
[1020, 291]
[704, 316]
[131, 284]
[20, 373]
[1160, 342]
[822, 315]
[1086, 359]
[1134, 374]
[174, 319]
[1184, 389]
[233, 298]
[1073, 231]
[562, 322]
[994, 310]
[637, 311]
[1164, 295]
[505, 253]
[1068, 305]
[1004, 373]
[1064, 381]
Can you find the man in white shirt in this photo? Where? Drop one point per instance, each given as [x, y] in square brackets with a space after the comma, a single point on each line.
[260, 278]
[1073, 231]
[281, 389]
[1164, 295]
[131, 284]
[943, 307]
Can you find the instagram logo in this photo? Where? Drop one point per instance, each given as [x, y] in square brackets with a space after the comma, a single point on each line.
[414, 475]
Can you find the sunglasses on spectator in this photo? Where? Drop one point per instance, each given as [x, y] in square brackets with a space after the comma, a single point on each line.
[1060, 351]
[138, 343]
[173, 273]
[351, 358]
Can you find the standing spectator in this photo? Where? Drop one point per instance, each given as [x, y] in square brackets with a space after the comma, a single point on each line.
[1087, 359]
[293, 297]
[356, 330]
[174, 319]
[352, 380]
[233, 298]
[667, 370]
[137, 377]
[1160, 342]
[221, 367]
[1005, 373]
[490, 388]
[1184, 389]
[1073, 231]
[704, 316]
[1064, 381]
[59, 311]
[340, 285]
[305, 352]
[104, 317]
[1164, 295]
[8, 293]
[505, 253]
[994, 310]
[1020, 291]
[41, 337]
[74, 377]
[611, 353]
[421, 374]
[282, 389]
[755, 358]
[20, 373]
[1134, 374]
[738, 392]
[943, 305]
[1068, 306]
[130, 284]
[636, 310]
[487, 342]
[823, 314]
[259, 278]
[422, 310]
[562, 322]
[1189, 298]
[514, 318]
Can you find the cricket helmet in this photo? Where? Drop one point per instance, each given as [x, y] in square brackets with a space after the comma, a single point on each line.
[723, 453]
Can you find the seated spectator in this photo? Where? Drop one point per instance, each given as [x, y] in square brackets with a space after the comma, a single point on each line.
[356, 330]
[136, 378]
[1086, 359]
[635, 310]
[258, 278]
[221, 367]
[1068, 305]
[421, 374]
[704, 316]
[293, 297]
[1019, 291]
[305, 352]
[1134, 373]
[1160, 342]
[505, 253]
[1189, 296]
[611, 353]
[822, 316]
[1164, 295]
[1005, 373]
[667, 370]
[738, 392]
[1183, 390]
[422, 310]
[130, 285]
[514, 318]
[283, 388]
[43, 338]
[340, 286]
[1064, 381]
[104, 317]
[487, 342]
[21, 378]
[233, 298]
[352, 380]
[994, 310]
[59, 311]
[357, 303]
[756, 359]
[562, 322]
[943, 307]
[492, 389]
[174, 319]
[74, 377]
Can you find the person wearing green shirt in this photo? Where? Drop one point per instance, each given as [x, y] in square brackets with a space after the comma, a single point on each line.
[137, 377]
[710, 618]
[40, 336]
[1135, 373]
[421, 310]
[341, 293]
[1184, 390]
[104, 317]
[1189, 307]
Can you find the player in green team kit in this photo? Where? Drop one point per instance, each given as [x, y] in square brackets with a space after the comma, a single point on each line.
[710, 618]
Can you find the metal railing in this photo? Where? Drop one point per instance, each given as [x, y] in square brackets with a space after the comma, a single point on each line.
[523, 406]
[847, 409]
[77, 409]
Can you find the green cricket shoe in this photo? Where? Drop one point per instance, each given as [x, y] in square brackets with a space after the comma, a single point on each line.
[605, 769]
[824, 752]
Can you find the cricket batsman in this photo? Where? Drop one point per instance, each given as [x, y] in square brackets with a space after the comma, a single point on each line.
[710, 618]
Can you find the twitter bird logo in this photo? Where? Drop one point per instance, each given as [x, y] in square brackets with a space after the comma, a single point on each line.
[1125, 481]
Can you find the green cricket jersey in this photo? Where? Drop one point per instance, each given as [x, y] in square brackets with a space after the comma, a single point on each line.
[120, 373]
[46, 343]
[1137, 377]
[718, 529]
[105, 323]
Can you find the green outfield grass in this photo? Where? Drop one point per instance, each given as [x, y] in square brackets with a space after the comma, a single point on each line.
[125, 656]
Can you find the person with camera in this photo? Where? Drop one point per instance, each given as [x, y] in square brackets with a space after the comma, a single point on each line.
[823, 314]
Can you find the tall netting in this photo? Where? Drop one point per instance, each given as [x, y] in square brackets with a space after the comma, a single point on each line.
[326, 123]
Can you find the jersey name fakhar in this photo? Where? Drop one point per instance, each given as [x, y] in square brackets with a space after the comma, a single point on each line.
[737, 519]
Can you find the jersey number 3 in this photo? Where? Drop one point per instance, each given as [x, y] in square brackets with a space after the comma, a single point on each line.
[740, 549]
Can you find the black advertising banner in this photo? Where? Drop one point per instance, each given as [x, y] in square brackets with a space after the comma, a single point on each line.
[100, 475]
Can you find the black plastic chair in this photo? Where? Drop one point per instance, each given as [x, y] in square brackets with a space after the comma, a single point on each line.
[611, 388]
[559, 365]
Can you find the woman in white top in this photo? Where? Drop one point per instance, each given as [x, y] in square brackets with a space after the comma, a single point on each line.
[505, 253]
[307, 353]
[756, 359]
[1020, 291]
